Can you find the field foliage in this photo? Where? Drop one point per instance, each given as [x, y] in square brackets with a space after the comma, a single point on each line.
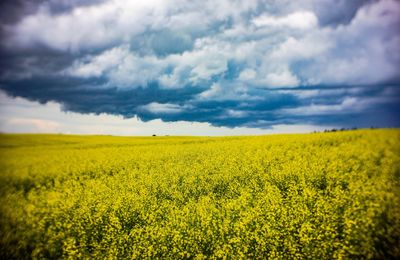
[323, 195]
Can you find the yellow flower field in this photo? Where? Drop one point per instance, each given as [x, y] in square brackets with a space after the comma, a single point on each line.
[316, 196]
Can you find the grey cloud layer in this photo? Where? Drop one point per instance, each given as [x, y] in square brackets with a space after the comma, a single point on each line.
[230, 63]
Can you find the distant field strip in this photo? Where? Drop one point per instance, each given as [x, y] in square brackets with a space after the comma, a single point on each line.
[316, 196]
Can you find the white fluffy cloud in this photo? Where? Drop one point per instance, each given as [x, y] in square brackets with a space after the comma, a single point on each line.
[267, 45]
[297, 20]
[359, 53]
[90, 26]
[227, 62]
[282, 78]
[159, 108]
[126, 69]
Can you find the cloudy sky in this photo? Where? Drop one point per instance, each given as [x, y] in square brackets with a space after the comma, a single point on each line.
[198, 67]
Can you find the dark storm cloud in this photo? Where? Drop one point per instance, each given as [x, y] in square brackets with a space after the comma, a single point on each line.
[11, 11]
[338, 12]
[229, 63]
[84, 96]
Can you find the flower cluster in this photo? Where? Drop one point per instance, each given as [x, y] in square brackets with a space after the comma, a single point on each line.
[323, 195]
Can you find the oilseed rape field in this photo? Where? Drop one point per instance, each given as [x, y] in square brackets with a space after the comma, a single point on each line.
[321, 195]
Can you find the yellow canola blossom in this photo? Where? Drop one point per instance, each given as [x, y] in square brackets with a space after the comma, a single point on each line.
[316, 196]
